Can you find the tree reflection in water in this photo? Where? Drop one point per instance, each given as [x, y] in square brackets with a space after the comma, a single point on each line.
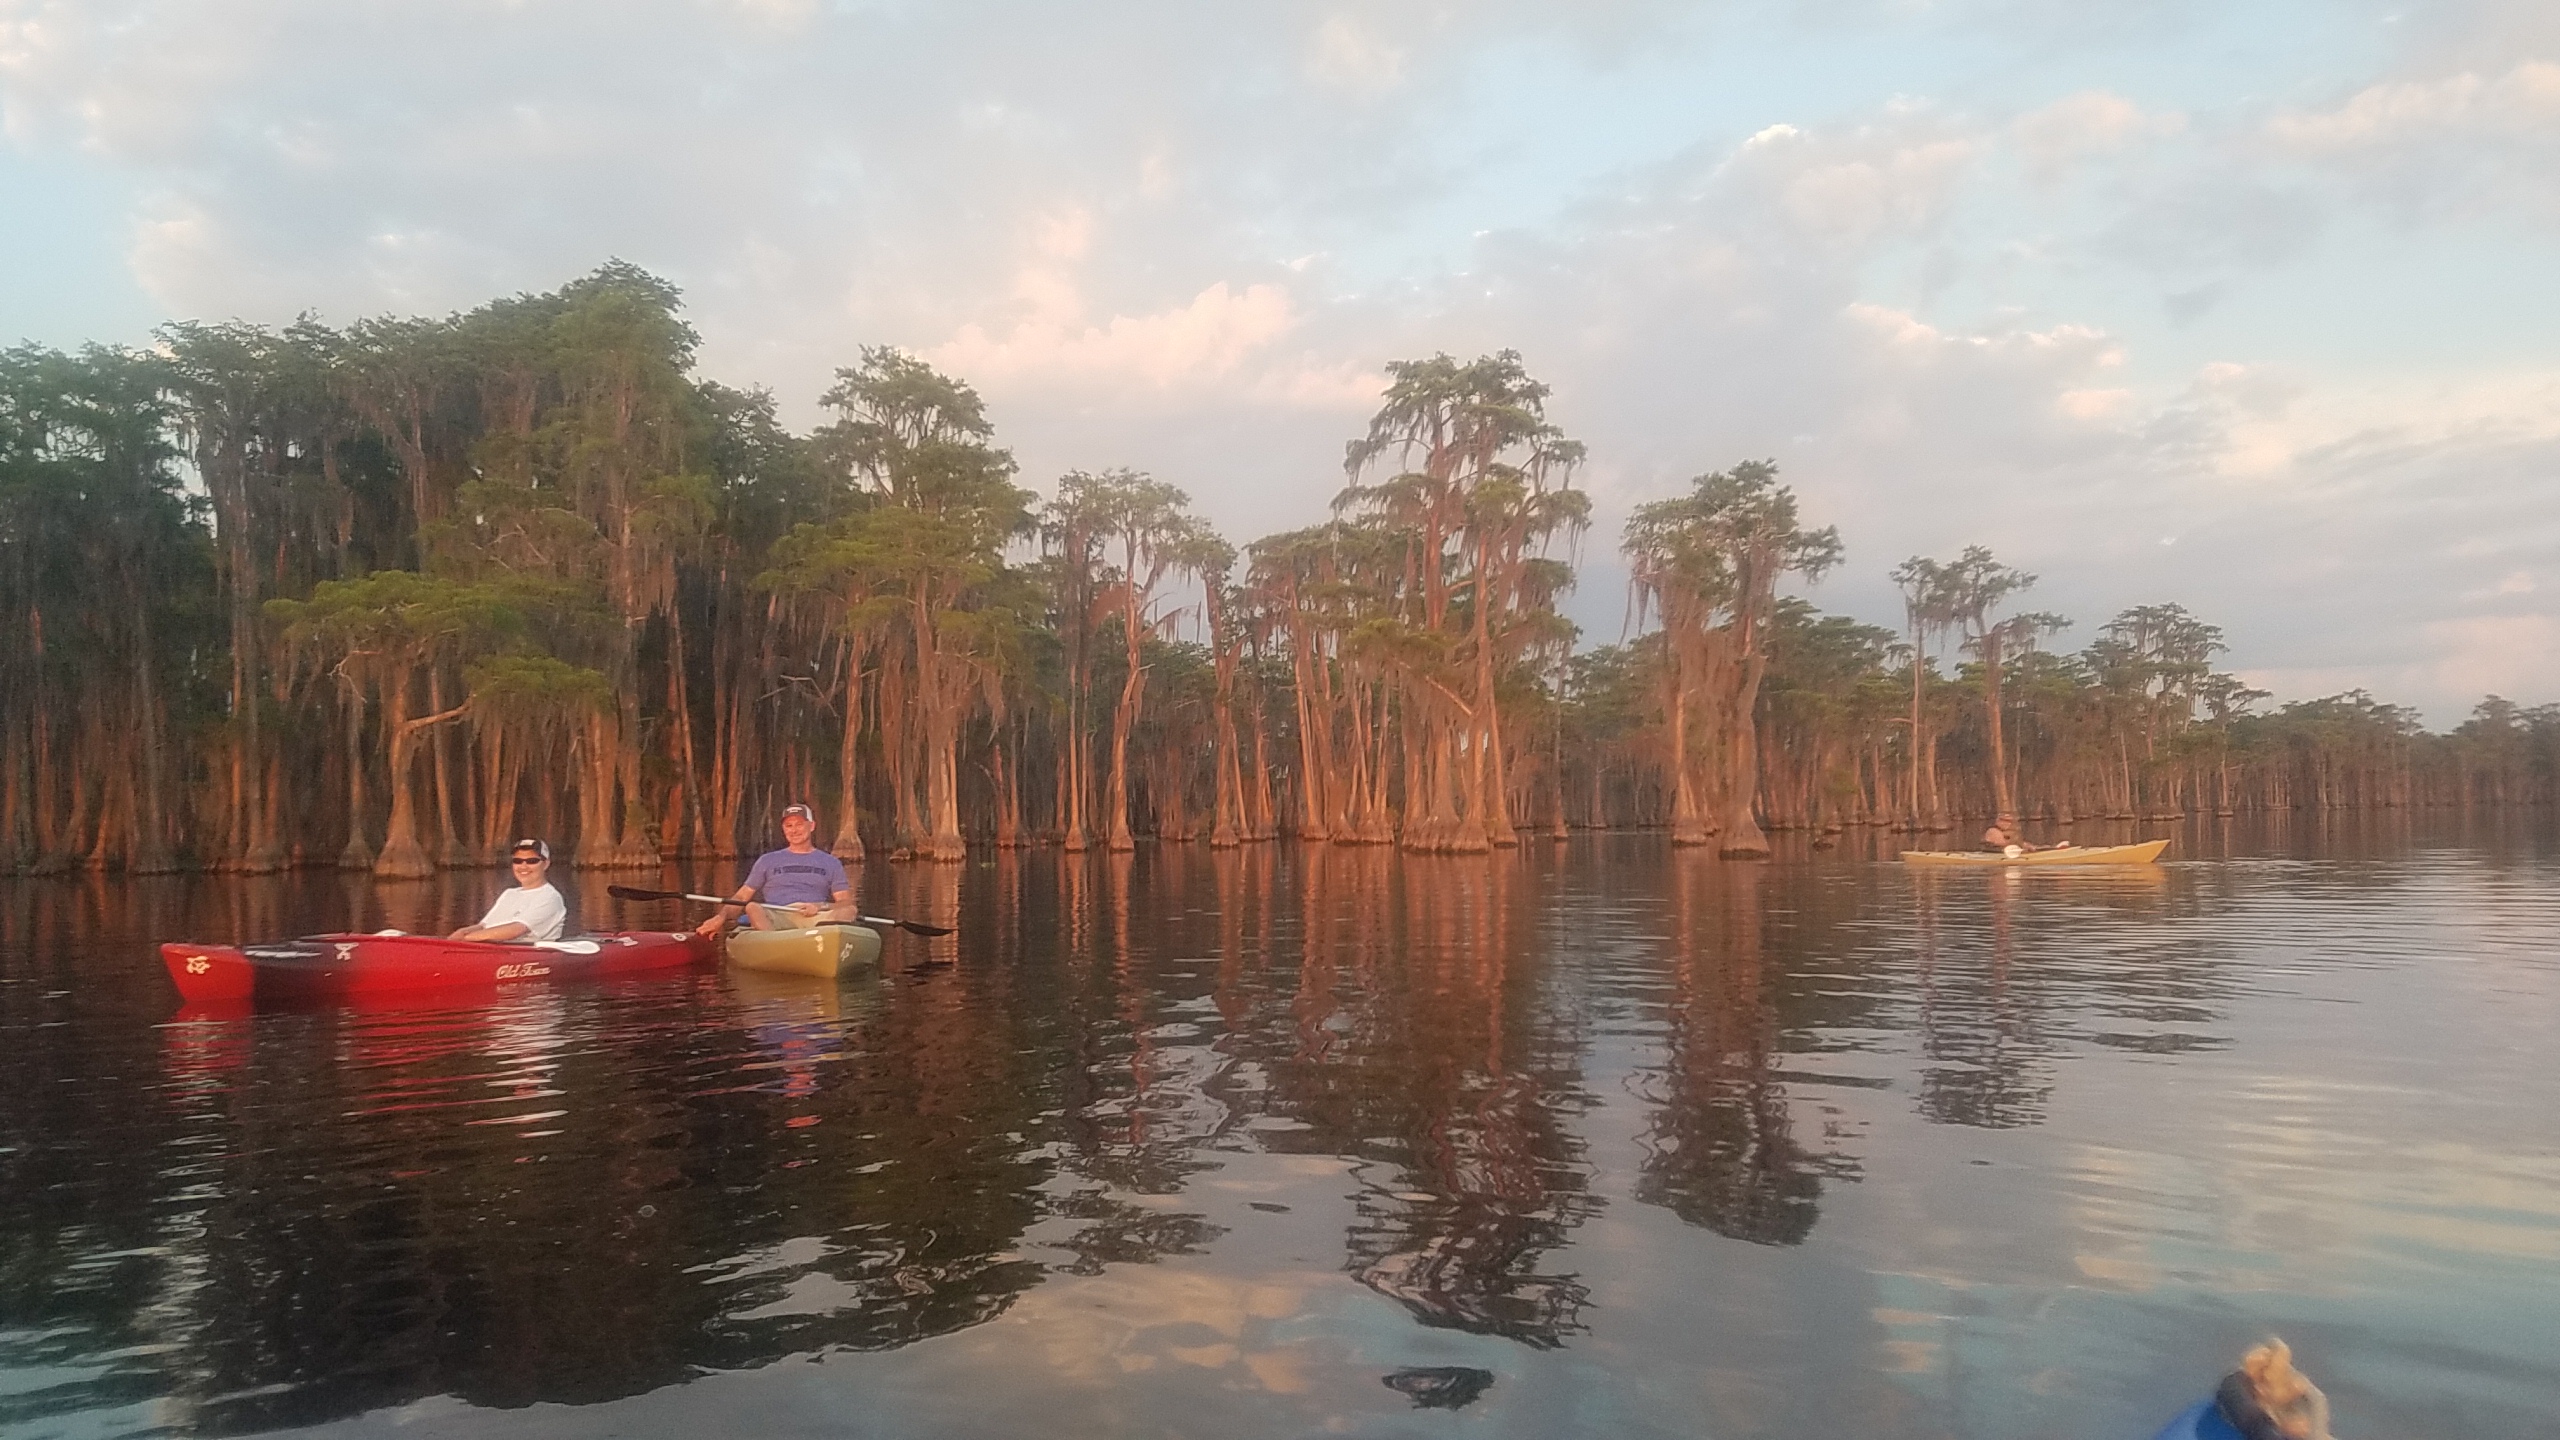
[1432, 1049]
[1721, 1149]
[1138, 1101]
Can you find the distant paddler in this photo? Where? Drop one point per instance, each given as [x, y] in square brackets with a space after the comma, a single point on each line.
[799, 877]
[2001, 839]
[533, 910]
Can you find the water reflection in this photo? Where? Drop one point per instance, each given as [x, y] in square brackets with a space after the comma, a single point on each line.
[1432, 1045]
[1996, 1011]
[575, 1196]
[1722, 1150]
[1296, 1120]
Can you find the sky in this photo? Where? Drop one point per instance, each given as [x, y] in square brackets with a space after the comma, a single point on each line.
[2251, 307]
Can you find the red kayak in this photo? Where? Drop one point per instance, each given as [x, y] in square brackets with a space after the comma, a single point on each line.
[355, 965]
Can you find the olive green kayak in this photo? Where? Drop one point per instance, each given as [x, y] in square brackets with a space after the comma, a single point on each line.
[822, 950]
[2142, 854]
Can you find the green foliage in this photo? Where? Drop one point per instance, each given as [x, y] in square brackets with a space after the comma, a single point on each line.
[524, 689]
[106, 562]
[1724, 546]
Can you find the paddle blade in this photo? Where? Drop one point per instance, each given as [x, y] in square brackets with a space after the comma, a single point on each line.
[912, 927]
[633, 892]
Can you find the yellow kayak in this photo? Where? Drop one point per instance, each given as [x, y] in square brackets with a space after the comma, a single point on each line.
[825, 951]
[2142, 854]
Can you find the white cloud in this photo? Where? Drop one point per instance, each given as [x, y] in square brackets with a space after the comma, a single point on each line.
[2466, 143]
[2092, 122]
[1198, 342]
[2524, 103]
[1347, 53]
[1848, 189]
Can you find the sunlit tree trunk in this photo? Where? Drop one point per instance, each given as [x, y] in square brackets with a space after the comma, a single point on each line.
[942, 702]
[686, 837]
[357, 853]
[1124, 718]
[449, 850]
[2003, 802]
[848, 844]
[1265, 824]
[1743, 839]
[1315, 801]
[403, 858]
[1688, 813]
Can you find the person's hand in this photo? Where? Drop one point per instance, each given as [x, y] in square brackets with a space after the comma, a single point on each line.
[806, 907]
[708, 927]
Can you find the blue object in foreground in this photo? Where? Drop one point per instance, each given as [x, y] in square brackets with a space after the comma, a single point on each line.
[2202, 1421]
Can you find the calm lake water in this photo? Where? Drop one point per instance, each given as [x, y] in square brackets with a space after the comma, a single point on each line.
[1595, 1139]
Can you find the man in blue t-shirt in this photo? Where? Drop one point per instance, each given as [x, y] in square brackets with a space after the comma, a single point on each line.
[799, 877]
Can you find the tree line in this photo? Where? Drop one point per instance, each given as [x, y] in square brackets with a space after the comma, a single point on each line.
[385, 596]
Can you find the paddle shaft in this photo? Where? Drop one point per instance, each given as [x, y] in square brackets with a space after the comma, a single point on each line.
[634, 892]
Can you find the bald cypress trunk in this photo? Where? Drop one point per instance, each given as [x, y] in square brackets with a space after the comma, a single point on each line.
[848, 844]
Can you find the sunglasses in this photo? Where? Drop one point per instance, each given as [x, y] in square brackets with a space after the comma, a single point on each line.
[524, 860]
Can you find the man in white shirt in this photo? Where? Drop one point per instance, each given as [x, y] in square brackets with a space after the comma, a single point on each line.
[532, 910]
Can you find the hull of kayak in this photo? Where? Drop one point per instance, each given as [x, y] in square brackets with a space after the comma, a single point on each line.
[326, 966]
[825, 951]
[2142, 854]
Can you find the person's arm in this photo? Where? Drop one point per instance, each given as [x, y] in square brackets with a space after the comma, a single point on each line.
[843, 908]
[735, 907]
[515, 914]
[512, 930]
[489, 928]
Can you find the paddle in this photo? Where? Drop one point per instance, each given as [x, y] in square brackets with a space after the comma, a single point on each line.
[634, 892]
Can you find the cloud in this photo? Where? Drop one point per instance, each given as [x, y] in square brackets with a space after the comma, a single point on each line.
[1347, 54]
[1051, 341]
[1846, 189]
[2465, 143]
[2522, 104]
[1202, 341]
[2093, 122]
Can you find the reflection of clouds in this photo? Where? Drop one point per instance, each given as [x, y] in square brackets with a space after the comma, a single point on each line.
[1098, 1330]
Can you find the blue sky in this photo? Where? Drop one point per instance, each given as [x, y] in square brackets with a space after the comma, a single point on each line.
[2246, 306]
